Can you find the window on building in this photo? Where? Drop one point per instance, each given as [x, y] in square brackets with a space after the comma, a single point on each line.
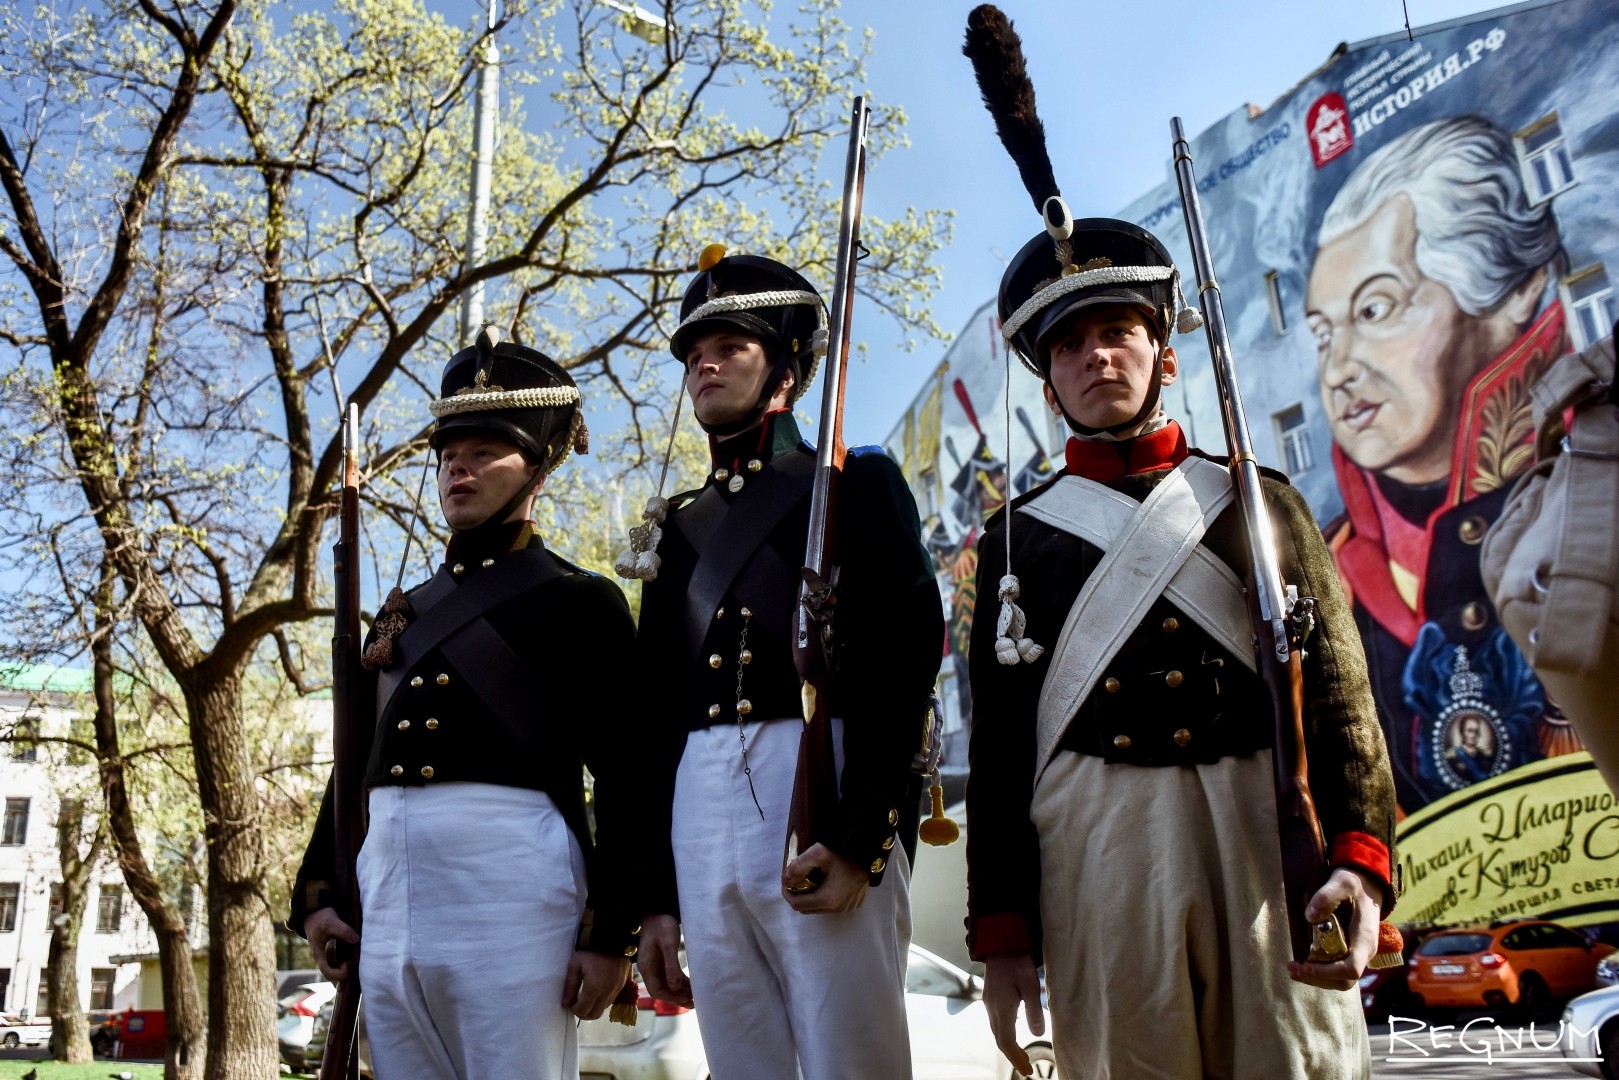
[1273, 296]
[1546, 165]
[1588, 295]
[5, 988]
[9, 892]
[102, 982]
[24, 748]
[14, 827]
[1295, 439]
[42, 998]
[110, 909]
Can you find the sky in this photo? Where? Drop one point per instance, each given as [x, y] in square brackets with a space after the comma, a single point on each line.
[1108, 78]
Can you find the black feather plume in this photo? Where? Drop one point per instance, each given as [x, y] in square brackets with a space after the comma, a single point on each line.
[996, 53]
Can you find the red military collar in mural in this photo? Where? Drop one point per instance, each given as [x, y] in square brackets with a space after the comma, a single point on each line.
[1493, 445]
[1104, 461]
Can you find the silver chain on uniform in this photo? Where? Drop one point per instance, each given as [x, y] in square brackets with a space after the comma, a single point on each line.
[743, 708]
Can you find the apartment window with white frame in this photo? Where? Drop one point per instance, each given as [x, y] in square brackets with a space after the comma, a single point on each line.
[110, 909]
[14, 826]
[1547, 168]
[9, 894]
[102, 984]
[1295, 439]
[1588, 296]
[1273, 298]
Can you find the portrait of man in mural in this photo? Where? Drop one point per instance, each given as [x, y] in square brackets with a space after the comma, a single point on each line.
[1432, 299]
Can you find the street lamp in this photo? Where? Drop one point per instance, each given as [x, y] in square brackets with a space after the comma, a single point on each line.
[649, 26]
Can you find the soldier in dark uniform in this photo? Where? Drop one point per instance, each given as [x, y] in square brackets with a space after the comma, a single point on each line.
[786, 984]
[479, 880]
[1122, 823]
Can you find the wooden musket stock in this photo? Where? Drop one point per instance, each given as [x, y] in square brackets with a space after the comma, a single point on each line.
[341, 1059]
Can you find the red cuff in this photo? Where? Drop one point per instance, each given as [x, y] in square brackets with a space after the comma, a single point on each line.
[1003, 934]
[1366, 853]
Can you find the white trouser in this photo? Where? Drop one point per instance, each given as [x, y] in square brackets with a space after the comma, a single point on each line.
[1166, 940]
[472, 895]
[780, 994]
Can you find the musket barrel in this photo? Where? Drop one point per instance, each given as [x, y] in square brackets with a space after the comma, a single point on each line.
[1270, 596]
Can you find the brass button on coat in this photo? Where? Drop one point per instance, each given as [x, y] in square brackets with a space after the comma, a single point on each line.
[722, 474]
[404, 725]
[877, 866]
[1111, 685]
[1171, 625]
[747, 613]
[443, 679]
[744, 707]
[1182, 737]
[397, 770]
[1474, 616]
[631, 950]
[1174, 679]
[432, 724]
[755, 465]
[888, 844]
[713, 711]
[747, 656]
[1121, 742]
[487, 563]
[1472, 529]
[416, 681]
[427, 772]
[893, 817]
[458, 568]
[715, 660]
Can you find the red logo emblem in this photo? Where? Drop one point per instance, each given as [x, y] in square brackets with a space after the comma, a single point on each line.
[1328, 125]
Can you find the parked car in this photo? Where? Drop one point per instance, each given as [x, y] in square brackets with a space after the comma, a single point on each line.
[1384, 992]
[1590, 1033]
[103, 1030]
[17, 1030]
[288, 981]
[1608, 970]
[295, 1019]
[944, 1007]
[1525, 965]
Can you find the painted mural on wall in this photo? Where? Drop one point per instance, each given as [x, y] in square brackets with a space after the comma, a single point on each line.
[1405, 241]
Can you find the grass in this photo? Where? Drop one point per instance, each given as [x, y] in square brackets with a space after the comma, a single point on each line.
[96, 1070]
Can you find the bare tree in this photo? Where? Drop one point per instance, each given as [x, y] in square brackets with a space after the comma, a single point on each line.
[217, 212]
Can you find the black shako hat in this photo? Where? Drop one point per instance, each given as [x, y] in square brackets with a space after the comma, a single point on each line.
[1072, 264]
[762, 297]
[515, 391]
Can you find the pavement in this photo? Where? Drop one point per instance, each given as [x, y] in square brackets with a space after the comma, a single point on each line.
[1418, 1050]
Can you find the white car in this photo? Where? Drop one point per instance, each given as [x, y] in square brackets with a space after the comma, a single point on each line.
[16, 1031]
[950, 1037]
[295, 1018]
[1590, 1033]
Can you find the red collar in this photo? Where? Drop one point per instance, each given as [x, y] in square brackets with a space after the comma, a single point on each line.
[1104, 461]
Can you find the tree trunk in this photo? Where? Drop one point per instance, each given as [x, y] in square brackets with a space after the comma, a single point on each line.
[241, 941]
[184, 1051]
[70, 1037]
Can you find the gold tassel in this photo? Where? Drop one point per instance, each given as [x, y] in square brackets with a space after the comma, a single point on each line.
[391, 622]
[939, 830]
[625, 1009]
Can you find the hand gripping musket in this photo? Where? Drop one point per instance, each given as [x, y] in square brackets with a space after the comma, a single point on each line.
[815, 786]
[1282, 619]
[341, 1060]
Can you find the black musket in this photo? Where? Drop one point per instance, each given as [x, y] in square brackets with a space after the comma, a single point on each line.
[1281, 618]
[341, 1059]
[815, 785]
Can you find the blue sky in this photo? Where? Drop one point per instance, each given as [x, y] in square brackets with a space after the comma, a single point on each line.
[1109, 77]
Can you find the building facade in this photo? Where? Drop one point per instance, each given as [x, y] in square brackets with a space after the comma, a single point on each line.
[32, 790]
[1405, 242]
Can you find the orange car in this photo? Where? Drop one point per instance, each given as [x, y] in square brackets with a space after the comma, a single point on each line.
[1527, 965]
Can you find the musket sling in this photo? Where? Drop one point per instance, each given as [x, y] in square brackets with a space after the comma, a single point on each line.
[1151, 549]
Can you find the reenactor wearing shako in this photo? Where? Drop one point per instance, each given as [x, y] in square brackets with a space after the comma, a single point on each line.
[1122, 821]
[484, 898]
[787, 984]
